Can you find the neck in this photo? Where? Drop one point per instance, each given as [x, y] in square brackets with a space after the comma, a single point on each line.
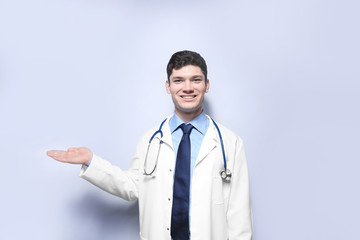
[188, 116]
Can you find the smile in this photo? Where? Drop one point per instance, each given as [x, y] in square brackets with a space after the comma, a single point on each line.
[188, 97]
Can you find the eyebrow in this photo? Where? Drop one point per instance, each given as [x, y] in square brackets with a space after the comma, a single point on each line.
[195, 76]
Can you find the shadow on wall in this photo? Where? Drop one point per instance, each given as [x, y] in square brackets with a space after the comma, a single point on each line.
[101, 219]
[207, 107]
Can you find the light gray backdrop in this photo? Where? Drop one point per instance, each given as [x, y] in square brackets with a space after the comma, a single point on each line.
[284, 76]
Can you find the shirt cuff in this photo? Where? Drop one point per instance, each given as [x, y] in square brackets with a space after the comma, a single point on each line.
[90, 160]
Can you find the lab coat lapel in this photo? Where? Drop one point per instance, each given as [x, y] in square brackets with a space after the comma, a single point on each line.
[210, 142]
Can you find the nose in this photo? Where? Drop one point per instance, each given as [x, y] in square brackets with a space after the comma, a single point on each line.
[188, 86]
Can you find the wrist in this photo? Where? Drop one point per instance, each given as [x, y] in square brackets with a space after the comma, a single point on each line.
[88, 159]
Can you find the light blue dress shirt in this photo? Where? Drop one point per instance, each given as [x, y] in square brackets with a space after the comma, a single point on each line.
[201, 124]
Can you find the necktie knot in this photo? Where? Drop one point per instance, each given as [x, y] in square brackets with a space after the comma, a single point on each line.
[186, 128]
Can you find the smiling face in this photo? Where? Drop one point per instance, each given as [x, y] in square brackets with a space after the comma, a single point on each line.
[187, 86]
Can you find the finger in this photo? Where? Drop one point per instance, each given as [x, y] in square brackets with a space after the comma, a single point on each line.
[58, 155]
[53, 153]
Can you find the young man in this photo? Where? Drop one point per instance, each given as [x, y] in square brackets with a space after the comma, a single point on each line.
[177, 173]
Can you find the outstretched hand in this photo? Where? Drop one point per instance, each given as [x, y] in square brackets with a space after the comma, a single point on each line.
[81, 155]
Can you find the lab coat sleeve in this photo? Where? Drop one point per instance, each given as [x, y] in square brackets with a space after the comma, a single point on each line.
[239, 215]
[112, 179]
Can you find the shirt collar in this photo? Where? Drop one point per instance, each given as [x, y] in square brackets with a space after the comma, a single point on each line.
[199, 123]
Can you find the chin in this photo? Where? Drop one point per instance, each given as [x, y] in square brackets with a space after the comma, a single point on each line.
[193, 109]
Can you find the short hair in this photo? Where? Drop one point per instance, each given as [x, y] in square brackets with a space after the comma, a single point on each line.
[184, 58]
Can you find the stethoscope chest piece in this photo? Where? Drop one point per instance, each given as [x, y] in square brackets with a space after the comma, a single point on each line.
[225, 175]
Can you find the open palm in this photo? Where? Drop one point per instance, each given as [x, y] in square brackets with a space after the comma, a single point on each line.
[81, 155]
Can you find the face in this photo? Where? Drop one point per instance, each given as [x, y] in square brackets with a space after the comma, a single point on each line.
[187, 86]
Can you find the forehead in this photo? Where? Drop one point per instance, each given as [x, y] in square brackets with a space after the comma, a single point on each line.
[187, 71]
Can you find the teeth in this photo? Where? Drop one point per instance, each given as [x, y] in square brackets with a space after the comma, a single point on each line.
[188, 97]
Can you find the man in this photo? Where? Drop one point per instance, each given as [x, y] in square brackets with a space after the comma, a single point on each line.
[175, 172]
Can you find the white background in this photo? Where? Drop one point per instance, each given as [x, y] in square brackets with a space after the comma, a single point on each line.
[284, 76]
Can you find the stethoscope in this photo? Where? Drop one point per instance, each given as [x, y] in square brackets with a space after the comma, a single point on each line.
[225, 173]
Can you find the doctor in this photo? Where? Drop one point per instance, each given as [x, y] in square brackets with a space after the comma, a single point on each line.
[176, 172]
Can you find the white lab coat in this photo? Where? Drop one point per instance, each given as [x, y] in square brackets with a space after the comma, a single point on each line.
[219, 210]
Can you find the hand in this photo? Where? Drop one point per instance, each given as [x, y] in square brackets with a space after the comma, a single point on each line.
[81, 155]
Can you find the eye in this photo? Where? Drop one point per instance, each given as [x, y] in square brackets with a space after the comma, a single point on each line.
[177, 80]
[197, 80]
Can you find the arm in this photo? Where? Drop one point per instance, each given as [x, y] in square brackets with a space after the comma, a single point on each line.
[111, 178]
[101, 173]
[239, 211]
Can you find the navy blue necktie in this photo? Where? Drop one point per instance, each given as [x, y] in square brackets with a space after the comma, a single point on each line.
[180, 229]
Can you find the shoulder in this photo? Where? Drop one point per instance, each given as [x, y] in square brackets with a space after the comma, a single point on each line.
[156, 129]
[228, 135]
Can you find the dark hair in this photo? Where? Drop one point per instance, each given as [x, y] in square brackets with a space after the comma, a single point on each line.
[184, 58]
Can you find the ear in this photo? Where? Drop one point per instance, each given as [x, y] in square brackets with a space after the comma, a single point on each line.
[167, 85]
[207, 85]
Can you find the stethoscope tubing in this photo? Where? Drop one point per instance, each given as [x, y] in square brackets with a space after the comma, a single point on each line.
[225, 174]
[221, 142]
